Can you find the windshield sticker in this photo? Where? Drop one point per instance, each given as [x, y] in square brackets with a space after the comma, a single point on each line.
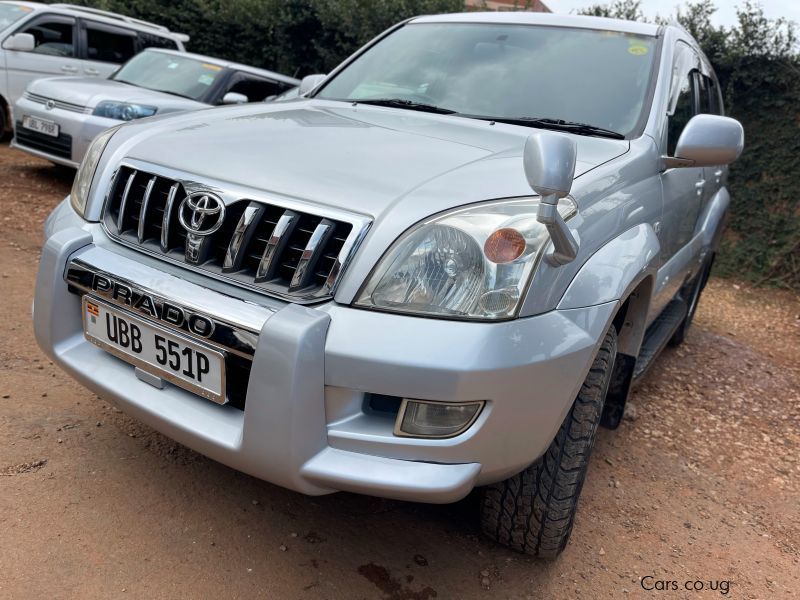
[172, 65]
[211, 67]
[637, 49]
[205, 79]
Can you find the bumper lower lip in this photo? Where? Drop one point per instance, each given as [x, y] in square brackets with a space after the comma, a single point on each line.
[303, 426]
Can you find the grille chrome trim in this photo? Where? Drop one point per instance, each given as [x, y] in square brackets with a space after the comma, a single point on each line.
[278, 238]
[269, 271]
[38, 99]
[245, 230]
[143, 208]
[124, 202]
[311, 255]
[167, 218]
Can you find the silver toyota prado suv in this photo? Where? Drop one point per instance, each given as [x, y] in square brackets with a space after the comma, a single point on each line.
[438, 269]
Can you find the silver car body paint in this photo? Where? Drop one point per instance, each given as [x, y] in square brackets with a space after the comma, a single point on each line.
[304, 425]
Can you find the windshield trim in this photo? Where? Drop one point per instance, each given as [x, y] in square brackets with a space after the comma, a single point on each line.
[636, 132]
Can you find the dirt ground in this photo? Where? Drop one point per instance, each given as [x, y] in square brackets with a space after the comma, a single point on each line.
[699, 484]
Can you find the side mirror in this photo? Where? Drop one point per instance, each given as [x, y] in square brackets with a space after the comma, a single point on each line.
[309, 82]
[708, 140]
[21, 42]
[549, 162]
[235, 98]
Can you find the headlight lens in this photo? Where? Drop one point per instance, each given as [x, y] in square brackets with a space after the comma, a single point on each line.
[83, 179]
[470, 263]
[123, 111]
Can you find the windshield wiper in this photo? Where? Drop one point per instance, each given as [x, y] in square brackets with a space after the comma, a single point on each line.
[407, 104]
[171, 93]
[558, 125]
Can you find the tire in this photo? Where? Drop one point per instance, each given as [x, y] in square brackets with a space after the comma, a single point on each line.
[694, 291]
[3, 121]
[533, 511]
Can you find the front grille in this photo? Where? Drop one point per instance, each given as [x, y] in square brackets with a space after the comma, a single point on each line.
[60, 146]
[44, 100]
[284, 252]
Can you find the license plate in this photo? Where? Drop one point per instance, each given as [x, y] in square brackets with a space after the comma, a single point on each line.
[175, 358]
[40, 125]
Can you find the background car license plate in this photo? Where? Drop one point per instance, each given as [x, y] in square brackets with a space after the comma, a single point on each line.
[173, 357]
[41, 125]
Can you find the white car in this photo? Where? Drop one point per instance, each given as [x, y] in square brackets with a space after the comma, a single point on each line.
[57, 118]
[43, 40]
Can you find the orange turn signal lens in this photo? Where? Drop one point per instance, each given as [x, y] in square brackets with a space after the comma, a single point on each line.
[504, 245]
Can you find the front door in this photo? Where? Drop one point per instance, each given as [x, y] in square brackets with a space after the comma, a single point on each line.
[54, 54]
[684, 188]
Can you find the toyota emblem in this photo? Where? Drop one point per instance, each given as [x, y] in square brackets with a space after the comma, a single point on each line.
[201, 213]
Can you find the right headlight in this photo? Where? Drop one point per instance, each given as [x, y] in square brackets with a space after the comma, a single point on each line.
[470, 263]
[83, 179]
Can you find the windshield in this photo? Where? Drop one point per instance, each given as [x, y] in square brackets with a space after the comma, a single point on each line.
[10, 13]
[179, 75]
[600, 78]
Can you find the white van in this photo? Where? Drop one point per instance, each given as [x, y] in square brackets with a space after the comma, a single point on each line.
[43, 40]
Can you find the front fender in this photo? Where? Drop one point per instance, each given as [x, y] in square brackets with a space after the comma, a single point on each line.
[614, 270]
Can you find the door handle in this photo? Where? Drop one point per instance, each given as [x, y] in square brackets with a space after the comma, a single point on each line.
[699, 185]
[68, 69]
[92, 72]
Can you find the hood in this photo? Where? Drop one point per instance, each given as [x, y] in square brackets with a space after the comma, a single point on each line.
[90, 91]
[359, 158]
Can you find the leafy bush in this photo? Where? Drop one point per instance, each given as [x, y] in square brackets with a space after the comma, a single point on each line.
[295, 37]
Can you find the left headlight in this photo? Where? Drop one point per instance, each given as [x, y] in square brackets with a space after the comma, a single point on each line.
[123, 111]
[83, 179]
[469, 263]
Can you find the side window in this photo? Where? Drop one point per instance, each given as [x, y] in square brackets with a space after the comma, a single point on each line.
[109, 44]
[53, 36]
[683, 95]
[255, 88]
[149, 40]
[709, 95]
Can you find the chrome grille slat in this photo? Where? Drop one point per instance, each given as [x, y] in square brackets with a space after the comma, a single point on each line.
[311, 254]
[143, 208]
[124, 202]
[242, 236]
[280, 235]
[57, 103]
[267, 246]
[166, 219]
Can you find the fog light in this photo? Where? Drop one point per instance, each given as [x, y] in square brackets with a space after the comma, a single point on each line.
[435, 419]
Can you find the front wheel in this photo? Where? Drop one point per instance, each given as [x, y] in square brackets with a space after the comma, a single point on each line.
[533, 511]
[3, 121]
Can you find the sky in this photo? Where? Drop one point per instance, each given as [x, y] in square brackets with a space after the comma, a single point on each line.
[725, 15]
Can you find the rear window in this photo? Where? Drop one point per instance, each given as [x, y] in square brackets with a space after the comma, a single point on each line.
[149, 40]
[109, 45]
[11, 13]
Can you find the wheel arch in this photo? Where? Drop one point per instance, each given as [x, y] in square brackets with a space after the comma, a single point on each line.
[623, 270]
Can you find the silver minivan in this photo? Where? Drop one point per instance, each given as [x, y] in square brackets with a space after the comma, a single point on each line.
[42, 40]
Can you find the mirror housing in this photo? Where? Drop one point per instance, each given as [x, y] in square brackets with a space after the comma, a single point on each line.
[706, 141]
[235, 98]
[309, 82]
[549, 162]
[21, 42]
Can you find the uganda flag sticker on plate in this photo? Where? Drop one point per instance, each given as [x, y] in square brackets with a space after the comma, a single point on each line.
[93, 310]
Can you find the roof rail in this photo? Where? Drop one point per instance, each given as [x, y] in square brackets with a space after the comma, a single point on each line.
[112, 15]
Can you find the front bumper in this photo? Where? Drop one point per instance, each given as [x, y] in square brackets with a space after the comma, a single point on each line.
[303, 425]
[76, 132]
